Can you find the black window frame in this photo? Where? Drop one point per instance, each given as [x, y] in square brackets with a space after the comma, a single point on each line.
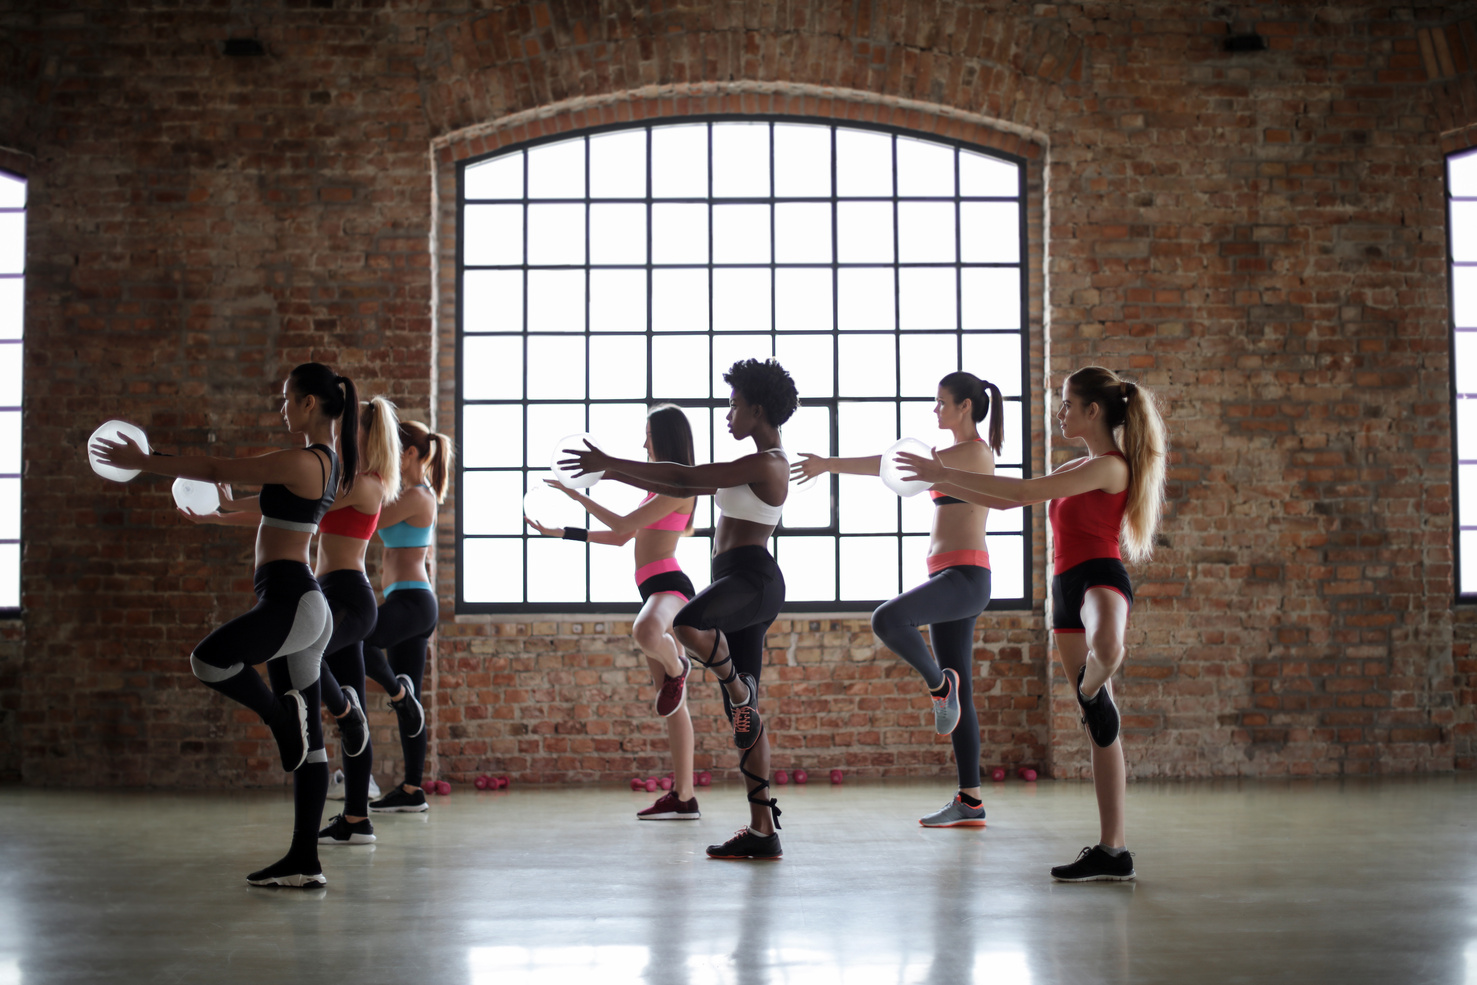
[1023, 603]
[15, 611]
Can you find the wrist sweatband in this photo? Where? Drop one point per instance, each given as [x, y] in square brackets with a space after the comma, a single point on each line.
[576, 533]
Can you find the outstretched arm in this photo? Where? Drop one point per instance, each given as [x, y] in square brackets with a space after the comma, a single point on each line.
[644, 515]
[290, 467]
[811, 466]
[1104, 472]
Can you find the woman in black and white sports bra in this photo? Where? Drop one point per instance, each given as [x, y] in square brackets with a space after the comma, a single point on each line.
[723, 627]
[290, 624]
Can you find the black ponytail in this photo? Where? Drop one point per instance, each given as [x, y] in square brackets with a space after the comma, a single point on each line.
[964, 386]
[336, 394]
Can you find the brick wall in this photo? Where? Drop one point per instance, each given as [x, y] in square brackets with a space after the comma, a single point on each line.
[1258, 236]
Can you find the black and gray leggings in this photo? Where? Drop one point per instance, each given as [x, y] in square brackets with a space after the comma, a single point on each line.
[351, 600]
[949, 602]
[287, 628]
[407, 618]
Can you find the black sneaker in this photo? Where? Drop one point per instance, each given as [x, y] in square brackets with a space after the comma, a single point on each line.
[1096, 865]
[353, 727]
[1099, 712]
[746, 844]
[397, 801]
[408, 710]
[746, 721]
[295, 875]
[341, 832]
[290, 728]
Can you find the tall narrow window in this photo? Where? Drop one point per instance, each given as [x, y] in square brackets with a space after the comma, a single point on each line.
[12, 320]
[603, 273]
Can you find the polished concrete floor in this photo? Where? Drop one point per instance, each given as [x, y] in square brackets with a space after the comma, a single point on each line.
[1331, 881]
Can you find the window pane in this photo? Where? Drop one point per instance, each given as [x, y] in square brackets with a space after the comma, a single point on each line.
[557, 367]
[989, 177]
[679, 366]
[1006, 520]
[991, 297]
[492, 570]
[618, 164]
[10, 375]
[925, 232]
[802, 300]
[809, 359]
[494, 503]
[741, 300]
[10, 511]
[865, 429]
[926, 298]
[1010, 450]
[740, 234]
[492, 436]
[863, 163]
[679, 234]
[556, 300]
[547, 425]
[1465, 368]
[557, 170]
[618, 234]
[501, 177]
[492, 235]
[1464, 297]
[12, 192]
[679, 161]
[917, 516]
[10, 572]
[12, 242]
[556, 570]
[729, 349]
[867, 506]
[492, 367]
[1467, 495]
[802, 161]
[1463, 231]
[679, 301]
[989, 232]
[1469, 561]
[918, 421]
[809, 564]
[620, 430]
[869, 567]
[868, 365]
[1466, 429]
[492, 301]
[556, 234]
[618, 366]
[12, 307]
[926, 359]
[1007, 567]
[618, 301]
[996, 358]
[741, 160]
[864, 232]
[915, 557]
[612, 575]
[802, 232]
[695, 555]
[809, 504]
[924, 168]
[867, 299]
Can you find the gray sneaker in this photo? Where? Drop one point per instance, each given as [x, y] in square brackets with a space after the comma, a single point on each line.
[956, 814]
[946, 709]
[336, 787]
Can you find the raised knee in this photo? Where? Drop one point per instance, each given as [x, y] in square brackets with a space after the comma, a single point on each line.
[647, 633]
[884, 622]
[210, 673]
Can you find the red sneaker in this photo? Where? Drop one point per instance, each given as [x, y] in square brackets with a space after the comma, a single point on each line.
[669, 808]
[673, 695]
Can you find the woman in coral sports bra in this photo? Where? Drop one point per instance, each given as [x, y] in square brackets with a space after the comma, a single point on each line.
[957, 589]
[1111, 497]
[656, 525]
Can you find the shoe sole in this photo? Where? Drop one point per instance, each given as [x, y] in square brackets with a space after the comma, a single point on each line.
[747, 858]
[295, 881]
[960, 715]
[417, 809]
[669, 816]
[353, 700]
[966, 823]
[1102, 878]
[355, 839]
[410, 696]
[302, 724]
[752, 703]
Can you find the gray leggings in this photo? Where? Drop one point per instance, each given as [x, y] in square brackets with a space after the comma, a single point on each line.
[949, 602]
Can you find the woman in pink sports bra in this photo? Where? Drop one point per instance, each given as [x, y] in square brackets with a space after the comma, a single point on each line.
[656, 525]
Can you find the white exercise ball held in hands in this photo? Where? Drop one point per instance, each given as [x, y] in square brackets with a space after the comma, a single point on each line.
[564, 471]
[195, 496]
[892, 473]
[115, 431]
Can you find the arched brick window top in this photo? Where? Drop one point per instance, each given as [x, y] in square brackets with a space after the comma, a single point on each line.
[601, 272]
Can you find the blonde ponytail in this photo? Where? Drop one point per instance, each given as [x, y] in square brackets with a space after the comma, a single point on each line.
[1132, 413]
[380, 440]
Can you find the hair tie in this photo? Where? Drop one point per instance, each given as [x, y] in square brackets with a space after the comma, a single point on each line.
[1129, 389]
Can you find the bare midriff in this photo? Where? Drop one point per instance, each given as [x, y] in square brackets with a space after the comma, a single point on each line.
[339, 553]
[276, 544]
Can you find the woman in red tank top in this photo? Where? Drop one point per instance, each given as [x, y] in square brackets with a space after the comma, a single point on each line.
[656, 524]
[1102, 506]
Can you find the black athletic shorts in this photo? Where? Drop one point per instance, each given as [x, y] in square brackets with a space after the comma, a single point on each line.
[1069, 589]
[675, 582]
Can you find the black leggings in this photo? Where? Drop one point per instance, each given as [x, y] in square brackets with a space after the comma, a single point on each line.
[949, 602]
[351, 600]
[406, 621]
[745, 596]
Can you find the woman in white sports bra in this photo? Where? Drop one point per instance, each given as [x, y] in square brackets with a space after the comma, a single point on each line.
[723, 627]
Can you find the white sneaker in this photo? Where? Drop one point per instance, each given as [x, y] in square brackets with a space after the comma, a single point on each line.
[336, 787]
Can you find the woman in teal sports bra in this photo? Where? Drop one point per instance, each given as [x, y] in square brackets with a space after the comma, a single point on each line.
[395, 653]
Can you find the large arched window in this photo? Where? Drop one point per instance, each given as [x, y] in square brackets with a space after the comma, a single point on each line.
[602, 273]
[12, 322]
